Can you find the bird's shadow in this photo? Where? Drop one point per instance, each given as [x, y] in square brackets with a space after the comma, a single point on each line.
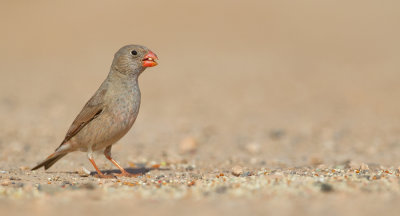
[134, 171]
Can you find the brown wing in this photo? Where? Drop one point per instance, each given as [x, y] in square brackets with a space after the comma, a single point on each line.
[90, 111]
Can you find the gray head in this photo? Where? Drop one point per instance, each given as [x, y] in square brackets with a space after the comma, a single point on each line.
[133, 59]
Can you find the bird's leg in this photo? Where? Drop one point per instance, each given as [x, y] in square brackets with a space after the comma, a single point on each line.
[99, 173]
[107, 153]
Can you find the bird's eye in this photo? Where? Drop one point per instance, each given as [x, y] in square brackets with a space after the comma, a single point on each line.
[133, 52]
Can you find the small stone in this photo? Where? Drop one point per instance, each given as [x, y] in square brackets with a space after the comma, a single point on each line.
[191, 183]
[189, 167]
[364, 167]
[253, 161]
[6, 182]
[48, 188]
[83, 172]
[66, 183]
[195, 176]
[14, 178]
[247, 173]
[353, 165]
[88, 186]
[315, 161]
[237, 170]
[276, 134]
[24, 168]
[376, 177]
[188, 145]
[19, 185]
[253, 148]
[221, 189]
[326, 187]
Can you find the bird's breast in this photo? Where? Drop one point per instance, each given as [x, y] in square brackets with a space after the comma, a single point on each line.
[125, 109]
[114, 122]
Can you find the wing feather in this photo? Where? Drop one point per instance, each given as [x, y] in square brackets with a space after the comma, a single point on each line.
[92, 109]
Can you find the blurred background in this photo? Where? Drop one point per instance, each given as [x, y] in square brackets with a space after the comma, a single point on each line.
[292, 81]
[266, 85]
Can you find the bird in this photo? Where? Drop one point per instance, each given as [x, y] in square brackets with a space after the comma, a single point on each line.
[110, 112]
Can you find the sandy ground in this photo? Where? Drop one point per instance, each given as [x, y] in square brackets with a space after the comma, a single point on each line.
[256, 107]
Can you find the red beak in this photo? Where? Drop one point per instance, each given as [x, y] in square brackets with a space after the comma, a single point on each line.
[149, 59]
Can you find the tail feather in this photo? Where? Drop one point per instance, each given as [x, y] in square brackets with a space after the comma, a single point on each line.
[50, 160]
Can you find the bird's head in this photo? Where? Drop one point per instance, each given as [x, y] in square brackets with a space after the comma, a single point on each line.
[133, 59]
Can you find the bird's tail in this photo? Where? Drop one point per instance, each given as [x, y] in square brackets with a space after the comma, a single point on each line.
[50, 160]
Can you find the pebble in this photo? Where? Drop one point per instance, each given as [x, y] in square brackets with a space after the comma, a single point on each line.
[83, 172]
[247, 173]
[253, 148]
[66, 183]
[5, 182]
[88, 186]
[189, 167]
[19, 185]
[352, 165]
[188, 145]
[364, 167]
[315, 161]
[221, 189]
[14, 178]
[237, 170]
[196, 176]
[24, 168]
[49, 189]
[326, 187]
[276, 134]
